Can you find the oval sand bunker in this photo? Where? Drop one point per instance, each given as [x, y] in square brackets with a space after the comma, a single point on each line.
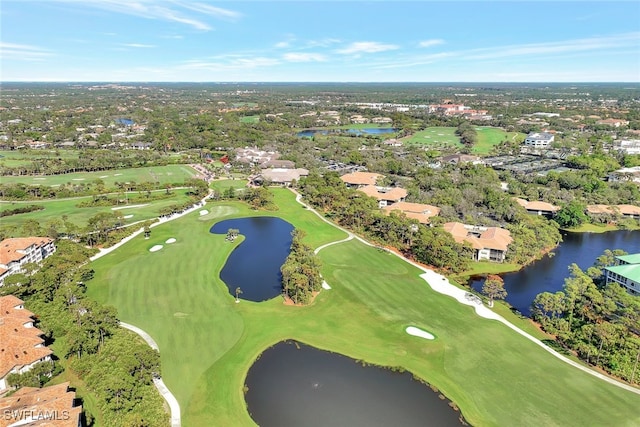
[171, 240]
[155, 248]
[417, 332]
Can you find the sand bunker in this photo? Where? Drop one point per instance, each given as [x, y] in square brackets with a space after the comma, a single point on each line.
[171, 240]
[325, 285]
[104, 176]
[128, 207]
[127, 216]
[77, 179]
[204, 212]
[417, 332]
[155, 248]
[39, 179]
[117, 174]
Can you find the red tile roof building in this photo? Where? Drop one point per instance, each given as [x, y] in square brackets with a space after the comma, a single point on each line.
[16, 252]
[41, 407]
[418, 211]
[21, 345]
[489, 243]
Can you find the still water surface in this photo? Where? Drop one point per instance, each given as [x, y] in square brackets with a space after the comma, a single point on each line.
[254, 265]
[308, 133]
[293, 384]
[548, 274]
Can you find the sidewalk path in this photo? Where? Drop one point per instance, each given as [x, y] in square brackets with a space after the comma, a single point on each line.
[174, 406]
[441, 284]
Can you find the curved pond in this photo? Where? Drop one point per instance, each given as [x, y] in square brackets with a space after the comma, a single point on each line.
[308, 133]
[254, 265]
[294, 384]
[548, 274]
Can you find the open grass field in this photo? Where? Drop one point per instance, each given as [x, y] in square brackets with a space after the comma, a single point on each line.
[435, 137]
[160, 174]
[138, 209]
[249, 119]
[13, 158]
[489, 137]
[207, 342]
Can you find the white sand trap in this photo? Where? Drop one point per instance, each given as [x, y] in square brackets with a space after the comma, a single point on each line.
[203, 212]
[155, 248]
[441, 134]
[39, 179]
[77, 179]
[171, 240]
[325, 285]
[117, 174]
[127, 216]
[417, 332]
[104, 176]
[128, 206]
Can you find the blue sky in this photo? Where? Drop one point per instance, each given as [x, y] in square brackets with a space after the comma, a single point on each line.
[339, 41]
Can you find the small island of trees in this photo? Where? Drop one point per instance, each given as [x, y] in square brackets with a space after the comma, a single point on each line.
[301, 271]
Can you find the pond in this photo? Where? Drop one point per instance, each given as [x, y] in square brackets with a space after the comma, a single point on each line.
[293, 384]
[254, 265]
[308, 133]
[548, 274]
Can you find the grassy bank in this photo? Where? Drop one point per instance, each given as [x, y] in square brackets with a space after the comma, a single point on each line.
[207, 342]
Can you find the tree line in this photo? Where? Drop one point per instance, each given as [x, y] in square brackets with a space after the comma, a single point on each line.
[301, 271]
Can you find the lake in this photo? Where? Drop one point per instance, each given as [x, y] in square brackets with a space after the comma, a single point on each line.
[254, 265]
[293, 384]
[308, 133]
[548, 274]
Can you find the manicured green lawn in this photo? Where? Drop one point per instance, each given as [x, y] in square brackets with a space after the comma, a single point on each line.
[488, 137]
[207, 342]
[249, 119]
[56, 209]
[593, 228]
[435, 137]
[13, 158]
[161, 174]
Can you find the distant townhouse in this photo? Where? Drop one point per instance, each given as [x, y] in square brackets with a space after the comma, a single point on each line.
[539, 139]
[538, 207]
[53, 406]
[255, 157]
[16, 252]
[21, 344]
[616, 123]
[489, 243]
[625, 174]
[386, 196]
[367, 183]
[626, 211]
[455, 159]
[360, 179]
[625, 272]
[627, 146]
[279, 176]
[419, 211]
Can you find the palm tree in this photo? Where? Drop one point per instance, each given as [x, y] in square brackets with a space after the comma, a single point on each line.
[238, 292]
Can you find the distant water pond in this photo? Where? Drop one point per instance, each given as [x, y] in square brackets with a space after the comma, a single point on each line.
[308, 133]
[127, 122]
[254, 265]
[293, 384]
[548, 274]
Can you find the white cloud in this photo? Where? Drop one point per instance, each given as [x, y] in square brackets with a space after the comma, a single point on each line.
[367, 47]
[304, 57]
[229, 63]
[560, 47]
[323, 42]
[23, 52]
[169, 10]
[431, 42]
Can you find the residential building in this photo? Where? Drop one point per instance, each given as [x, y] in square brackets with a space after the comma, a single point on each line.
[625, 272]
[626, 211]
[626, 174]
[360, 179]
[53, 406]
[16, 252]
[539, 139]
[628, 146]
[489, 243]
[538, 207]
[418, 211]
[385, 195]
[616, 123]
[455, 159]
[21, 344]
[279, 176]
